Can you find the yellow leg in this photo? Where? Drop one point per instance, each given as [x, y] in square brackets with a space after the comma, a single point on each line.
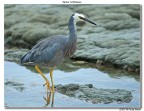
[52, 100]
[48, 99]
[51, 76]
[47, 82]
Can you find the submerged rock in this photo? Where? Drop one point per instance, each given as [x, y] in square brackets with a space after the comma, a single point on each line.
[16, 85]
[89, 93]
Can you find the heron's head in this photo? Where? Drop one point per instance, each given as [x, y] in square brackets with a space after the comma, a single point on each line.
[81, 17]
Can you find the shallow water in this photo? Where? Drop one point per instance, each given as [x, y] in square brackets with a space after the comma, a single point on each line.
[31, 93]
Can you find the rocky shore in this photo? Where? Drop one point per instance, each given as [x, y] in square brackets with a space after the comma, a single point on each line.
[115, 41]
[91, 94]
[85, 92]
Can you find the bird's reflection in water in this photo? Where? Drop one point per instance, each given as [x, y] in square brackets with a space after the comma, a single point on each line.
[48, 99]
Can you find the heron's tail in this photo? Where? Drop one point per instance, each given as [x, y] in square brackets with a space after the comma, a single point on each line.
[24, 58]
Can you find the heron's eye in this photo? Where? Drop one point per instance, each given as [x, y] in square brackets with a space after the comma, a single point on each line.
[80, 17]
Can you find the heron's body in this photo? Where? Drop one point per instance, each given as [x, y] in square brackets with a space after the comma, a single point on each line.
[52, 50]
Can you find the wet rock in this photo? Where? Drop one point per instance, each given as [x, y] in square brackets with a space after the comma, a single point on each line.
[16, 85]
[31, 25]
[14, 54]
[115, 40]
[95, 95]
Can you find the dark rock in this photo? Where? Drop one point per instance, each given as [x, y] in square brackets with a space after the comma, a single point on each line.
[14, 54]
[94, 95]
[16, 85]
[89, 85]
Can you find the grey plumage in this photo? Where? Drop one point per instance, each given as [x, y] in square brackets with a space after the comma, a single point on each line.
[52, 50]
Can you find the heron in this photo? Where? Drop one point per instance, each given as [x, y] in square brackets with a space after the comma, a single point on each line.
[53, 50]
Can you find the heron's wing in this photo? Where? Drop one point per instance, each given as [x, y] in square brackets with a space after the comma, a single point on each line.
[47, 49]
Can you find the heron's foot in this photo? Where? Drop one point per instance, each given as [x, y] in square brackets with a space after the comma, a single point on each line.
[48, 99]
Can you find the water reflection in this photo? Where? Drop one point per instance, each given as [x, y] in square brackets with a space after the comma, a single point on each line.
[85, 73]
[49, 99]
[71, 66]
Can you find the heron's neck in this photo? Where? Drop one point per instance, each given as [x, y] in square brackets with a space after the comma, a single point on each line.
[72, 30]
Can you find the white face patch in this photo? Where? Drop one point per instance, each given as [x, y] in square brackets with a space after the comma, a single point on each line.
[77, 15]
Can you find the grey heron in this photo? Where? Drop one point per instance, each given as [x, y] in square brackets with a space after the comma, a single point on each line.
[52, 50]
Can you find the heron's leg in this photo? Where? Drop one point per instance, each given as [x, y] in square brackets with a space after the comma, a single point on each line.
[52, 100]
[47, 82]
[47, 98]
[51, 76]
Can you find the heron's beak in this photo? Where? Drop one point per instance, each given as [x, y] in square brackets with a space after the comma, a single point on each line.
[87, 20]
